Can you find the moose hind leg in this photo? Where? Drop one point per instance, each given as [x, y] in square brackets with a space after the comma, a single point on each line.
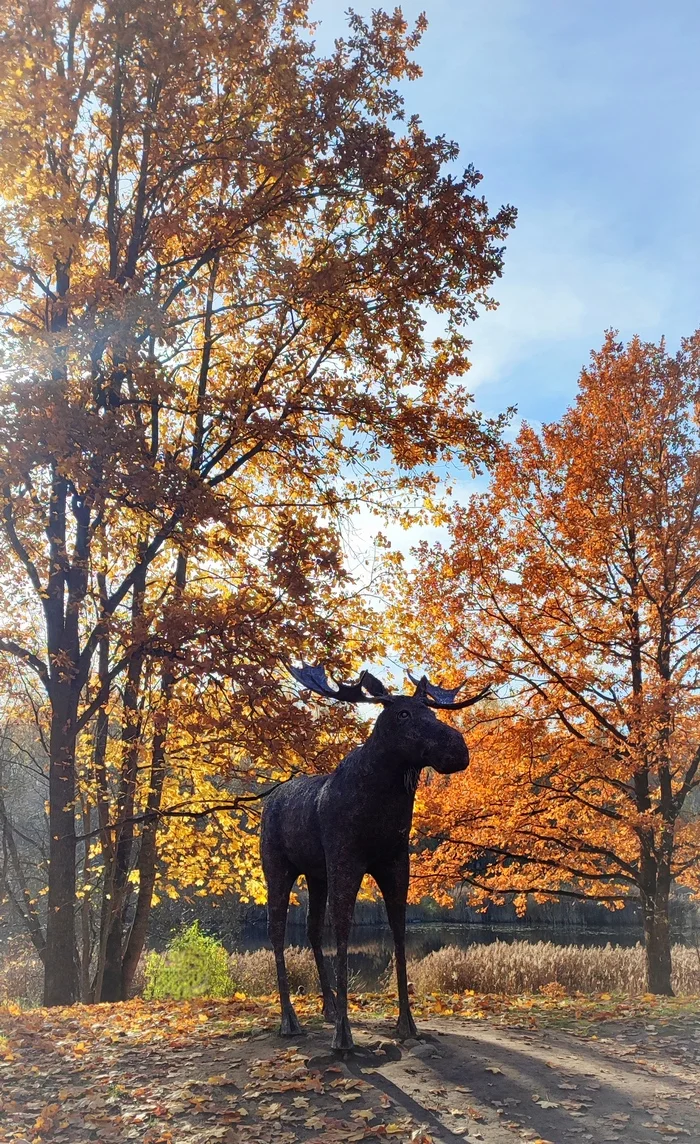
[318, 892]
[279, 885]
[393, 883]
[344, 884]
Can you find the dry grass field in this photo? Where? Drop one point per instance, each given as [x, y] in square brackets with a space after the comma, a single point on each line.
[505, 968]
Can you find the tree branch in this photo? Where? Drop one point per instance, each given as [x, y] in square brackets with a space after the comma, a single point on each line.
[180, 811]
[33, 660]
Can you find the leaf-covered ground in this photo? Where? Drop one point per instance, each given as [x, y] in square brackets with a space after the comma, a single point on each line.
[490, 1069]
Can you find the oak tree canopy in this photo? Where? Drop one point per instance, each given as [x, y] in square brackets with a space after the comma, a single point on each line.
[219, 251]
[573, 585]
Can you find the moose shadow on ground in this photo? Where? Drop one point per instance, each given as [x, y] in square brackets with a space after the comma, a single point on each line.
[200, 1073]
[478, 1082]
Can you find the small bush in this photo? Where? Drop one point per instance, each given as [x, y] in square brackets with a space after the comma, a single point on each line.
[193, 965]
[254, 973]
[21, 974]
[520, 967]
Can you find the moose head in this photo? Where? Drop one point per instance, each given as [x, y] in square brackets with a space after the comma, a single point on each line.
[407, 733]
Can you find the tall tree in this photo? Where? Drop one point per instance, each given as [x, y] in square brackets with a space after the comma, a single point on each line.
[181, 817]
[181, 821]
[574, 583]
[217, 248]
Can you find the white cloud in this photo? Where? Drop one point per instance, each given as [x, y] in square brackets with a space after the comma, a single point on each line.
[563, 284]
[584, 118]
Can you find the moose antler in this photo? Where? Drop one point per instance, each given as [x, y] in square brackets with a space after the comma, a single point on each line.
[314, 679]
[443, 698]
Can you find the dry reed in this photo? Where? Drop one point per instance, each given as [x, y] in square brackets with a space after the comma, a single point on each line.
[517, 967]
[254, 973]
[510, 968]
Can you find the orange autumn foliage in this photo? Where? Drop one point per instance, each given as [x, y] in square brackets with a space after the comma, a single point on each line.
[218, 248]
[573, 584]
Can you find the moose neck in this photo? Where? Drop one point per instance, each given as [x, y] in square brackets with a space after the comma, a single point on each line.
[385, 772]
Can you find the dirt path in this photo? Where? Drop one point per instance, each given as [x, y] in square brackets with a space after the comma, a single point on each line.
[199, 1073]
[496, 1085]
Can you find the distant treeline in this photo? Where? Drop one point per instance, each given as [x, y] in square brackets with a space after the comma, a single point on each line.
[229, 920]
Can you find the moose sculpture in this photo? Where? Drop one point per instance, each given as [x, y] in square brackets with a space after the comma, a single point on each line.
[336, 828]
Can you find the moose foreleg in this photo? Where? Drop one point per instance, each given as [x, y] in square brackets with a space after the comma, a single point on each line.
[393, 883]
[343, 886]
[318, 892]
[279, 888]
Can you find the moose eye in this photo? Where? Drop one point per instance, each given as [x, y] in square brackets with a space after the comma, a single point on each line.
[403, 715]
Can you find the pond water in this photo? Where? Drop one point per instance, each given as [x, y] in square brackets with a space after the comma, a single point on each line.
[371, 947]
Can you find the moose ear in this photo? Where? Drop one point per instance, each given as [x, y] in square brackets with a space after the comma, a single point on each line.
[445, 698]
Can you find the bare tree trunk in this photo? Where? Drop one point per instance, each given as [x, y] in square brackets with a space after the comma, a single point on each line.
[657, 930]
[657, 934]
[86, 939]
[112, 988]
[102, 790]
[61, 979]
[112, 973]
[148, 853]
[62, 632]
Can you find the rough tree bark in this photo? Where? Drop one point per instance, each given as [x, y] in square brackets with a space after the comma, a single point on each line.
[657, 934]
[148, 853]
[61, 979]
[112, 988]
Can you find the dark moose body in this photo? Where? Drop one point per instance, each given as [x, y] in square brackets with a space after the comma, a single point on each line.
[334, 829]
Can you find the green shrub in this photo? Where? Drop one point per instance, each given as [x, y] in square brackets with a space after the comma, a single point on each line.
[193, 965]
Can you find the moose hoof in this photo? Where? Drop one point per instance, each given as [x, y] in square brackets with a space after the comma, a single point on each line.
[289, 1026]
[329, 1011]
[406, 1028]
[342, 1038]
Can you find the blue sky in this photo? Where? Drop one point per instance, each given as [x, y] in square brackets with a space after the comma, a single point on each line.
[586, 117]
